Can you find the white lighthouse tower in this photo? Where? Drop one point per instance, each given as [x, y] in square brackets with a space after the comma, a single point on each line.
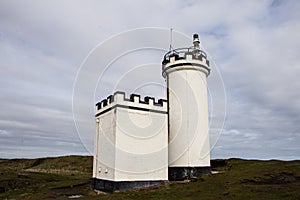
[143, 142]
[185, 71]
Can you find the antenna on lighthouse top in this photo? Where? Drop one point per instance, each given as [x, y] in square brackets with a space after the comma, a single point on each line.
[171, 39]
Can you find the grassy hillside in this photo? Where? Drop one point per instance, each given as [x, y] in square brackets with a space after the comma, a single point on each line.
[62, 177]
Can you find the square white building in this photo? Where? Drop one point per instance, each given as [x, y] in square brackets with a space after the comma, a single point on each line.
[131, 143]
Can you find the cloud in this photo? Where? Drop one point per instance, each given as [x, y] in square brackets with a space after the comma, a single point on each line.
[254, 44]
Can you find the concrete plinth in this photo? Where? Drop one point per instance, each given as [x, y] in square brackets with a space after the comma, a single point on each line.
[111, 186]
[186, 173]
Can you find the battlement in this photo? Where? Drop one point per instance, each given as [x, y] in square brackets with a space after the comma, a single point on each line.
[189, 54]
[133, 102]
[192, 58]
[185, 59]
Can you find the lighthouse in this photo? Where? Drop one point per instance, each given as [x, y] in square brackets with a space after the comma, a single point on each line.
[185, 71]
[141, 142]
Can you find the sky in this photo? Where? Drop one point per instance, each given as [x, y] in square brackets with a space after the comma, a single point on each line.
[253, 46]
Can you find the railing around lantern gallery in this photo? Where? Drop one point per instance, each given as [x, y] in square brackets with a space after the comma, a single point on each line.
[180, 53]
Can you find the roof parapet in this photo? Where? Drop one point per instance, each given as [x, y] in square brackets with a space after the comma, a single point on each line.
[119, 97]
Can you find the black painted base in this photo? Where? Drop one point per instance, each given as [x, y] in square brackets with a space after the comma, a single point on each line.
[110, 186]
[185, 173]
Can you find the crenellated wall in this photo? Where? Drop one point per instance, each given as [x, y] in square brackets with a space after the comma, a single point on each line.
[118, 99]
[185, 59]
[131, 141]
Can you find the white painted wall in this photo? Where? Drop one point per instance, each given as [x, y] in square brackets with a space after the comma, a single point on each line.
[105, 147]
[132, 144]
[188, 114]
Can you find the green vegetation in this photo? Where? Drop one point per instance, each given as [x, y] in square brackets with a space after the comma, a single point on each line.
[59, 178]
[45, 178]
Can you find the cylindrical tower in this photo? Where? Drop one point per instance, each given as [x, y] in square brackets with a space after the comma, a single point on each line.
[185, 71]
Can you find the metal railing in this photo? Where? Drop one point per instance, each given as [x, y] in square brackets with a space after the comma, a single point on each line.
[181, 52]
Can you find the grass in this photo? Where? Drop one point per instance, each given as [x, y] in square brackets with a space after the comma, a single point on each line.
[58, 178]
